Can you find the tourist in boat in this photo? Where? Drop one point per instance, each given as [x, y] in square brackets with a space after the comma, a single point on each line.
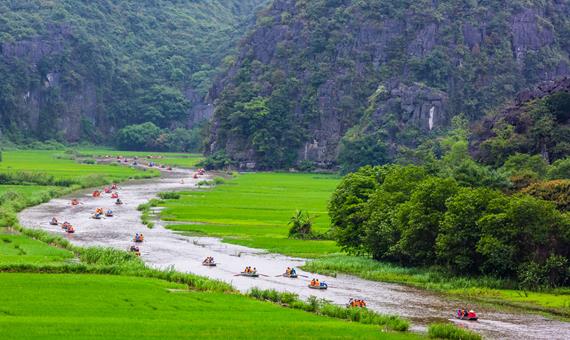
[293, 272]
[254, 270]
[118, 201]
[313, 283]
[53, 221]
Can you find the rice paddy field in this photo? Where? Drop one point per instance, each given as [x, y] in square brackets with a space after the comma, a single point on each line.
[254, 209]
[19, 249]
[87, 306]
[47, 163]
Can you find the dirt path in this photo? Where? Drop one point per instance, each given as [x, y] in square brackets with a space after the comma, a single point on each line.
[163, 248]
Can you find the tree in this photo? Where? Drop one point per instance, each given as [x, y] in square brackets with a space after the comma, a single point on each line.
[162, 105]
[397, 187]
[524, 162]
[460, 231]
[138, 137]
[347, 207]
[418, 220]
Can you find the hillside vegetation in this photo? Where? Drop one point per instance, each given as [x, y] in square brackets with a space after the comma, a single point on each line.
[80, 70]
[353, 81]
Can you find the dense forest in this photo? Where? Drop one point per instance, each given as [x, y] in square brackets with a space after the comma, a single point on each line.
[453, 212]
[81, 70]
[351, 82]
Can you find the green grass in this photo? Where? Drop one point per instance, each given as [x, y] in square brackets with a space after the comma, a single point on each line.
[81, 306]
[450, 331]
[485, 289]
[19, 249]
[254, 210]
[44, 162]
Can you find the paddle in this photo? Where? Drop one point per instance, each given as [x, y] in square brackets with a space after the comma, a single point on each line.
[263, 275]
[302, 275]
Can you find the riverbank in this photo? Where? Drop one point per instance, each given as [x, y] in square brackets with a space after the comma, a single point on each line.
[555, 302]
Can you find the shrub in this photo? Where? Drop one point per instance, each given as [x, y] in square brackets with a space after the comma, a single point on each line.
[301, 225]
[449, 331]
[169, 195]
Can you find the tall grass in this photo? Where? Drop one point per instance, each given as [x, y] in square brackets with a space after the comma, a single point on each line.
[450, 331]
[322, 307]
[145, 210]
[429, 278]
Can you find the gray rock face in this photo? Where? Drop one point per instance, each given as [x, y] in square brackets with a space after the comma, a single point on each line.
[415, 104]
[485, 46]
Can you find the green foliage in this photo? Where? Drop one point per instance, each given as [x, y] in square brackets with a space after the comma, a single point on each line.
[359, 150]
[451, 331]
[150, 61]
[407, 216]
[138, 137]
[217, 160]
[301, 224]
[538, 127]
[557, 191]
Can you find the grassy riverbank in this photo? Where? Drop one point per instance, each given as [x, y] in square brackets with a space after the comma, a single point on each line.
[254, 209]
[81, 306]
[484, 289]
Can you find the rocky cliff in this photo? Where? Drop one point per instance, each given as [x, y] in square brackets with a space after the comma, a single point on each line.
[313, 70]
[79, 70]
[537, 121]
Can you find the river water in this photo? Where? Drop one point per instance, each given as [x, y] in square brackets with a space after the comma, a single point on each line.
[164, 248]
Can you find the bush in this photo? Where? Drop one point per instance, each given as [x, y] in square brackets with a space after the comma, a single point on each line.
[218, 160]
[301, 225]
[449, 331]
[169, 195]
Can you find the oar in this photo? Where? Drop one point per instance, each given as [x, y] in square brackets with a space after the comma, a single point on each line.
[263, 275]
[302, 275]
[279, 275]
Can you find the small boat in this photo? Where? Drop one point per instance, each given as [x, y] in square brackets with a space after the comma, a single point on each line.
[109, 214]
[321, 286]
[118, 202]
[96, 216]
[115, 195]
[291, 276]
[469, 316]
[209, 264]
[70, 230]
[252, 274]
[53, 222]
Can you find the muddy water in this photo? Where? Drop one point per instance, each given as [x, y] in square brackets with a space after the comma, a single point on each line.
[163, 248]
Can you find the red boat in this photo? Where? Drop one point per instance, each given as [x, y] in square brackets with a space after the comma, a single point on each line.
[463, 314]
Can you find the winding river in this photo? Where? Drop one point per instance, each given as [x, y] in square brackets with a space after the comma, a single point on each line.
[164, 248]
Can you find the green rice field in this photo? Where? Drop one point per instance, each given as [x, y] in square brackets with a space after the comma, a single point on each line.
[47, 163]
[19, 249]
[88, 306]
[254, 209]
